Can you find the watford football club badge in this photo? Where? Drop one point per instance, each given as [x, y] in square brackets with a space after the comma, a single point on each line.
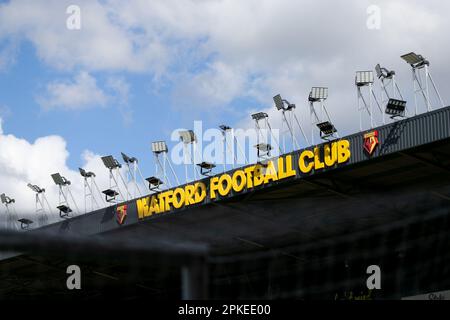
[370, 142]
[121, 214]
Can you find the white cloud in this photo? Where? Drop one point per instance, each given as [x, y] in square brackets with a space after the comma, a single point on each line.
[8, 54]
[102, 43]
[258, 48]
[80, 93]
[121, 95]
[216, 86]
[216, 51]
[23, 162]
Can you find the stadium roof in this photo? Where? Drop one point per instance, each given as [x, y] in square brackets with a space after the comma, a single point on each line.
[405, 182]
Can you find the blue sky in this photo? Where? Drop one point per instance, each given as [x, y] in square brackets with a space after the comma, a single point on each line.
[153, 114]
[137, 70]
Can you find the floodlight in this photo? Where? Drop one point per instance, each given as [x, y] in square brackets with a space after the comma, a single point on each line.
[86, 174]
[280, 103]
[383, 73]
[159, 147]
[128, 159]
[110, 193]
[60, 180]
[224, 127]
[154, 183]
[5, 199]
[187, 136]
[318, 93]
[206, 168]
[396, 108]
[263, 148]
[259, 116]
[25, 223]
[326, 128]
[111, 163]
[35, 188]
[415, 60]
[64, 210]
[364, 78]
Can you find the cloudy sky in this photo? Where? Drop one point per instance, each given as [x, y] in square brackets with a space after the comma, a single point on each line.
[136, 70]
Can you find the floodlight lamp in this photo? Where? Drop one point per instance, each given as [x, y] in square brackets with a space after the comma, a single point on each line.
[259, 116]
[154, 183]
[110, 193]
[396, 108]
[25, 223]
[280, 103]
[64, 210]
[318, 93]
[383, 72]
[60, 180]
[35, 188]
[187, 136]
[85, 173]
[364, 78]
[206, 168]
[264, 147]
[224, 127]
[5, 199]
[159, 147]
[415, 60]
[111, 163]
[128, 159]
[326, 128]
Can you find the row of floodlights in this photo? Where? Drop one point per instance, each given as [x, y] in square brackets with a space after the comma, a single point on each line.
[394, 107]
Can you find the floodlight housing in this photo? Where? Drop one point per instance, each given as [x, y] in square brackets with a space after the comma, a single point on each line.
[224, 127]
[326, 129]
[60, 180]
[128, 159]
[111, 163]
[415, 60]
[206, 168]
[64, 210]
[154, 183]
[280, 103]
[5, 199]
[36, 188]
[318, 93]
[263, 149]
[259, 116]
[110, 195]
[206, 165]
[383, 72]
[159, 147]
[85, 173]
[396, 108]
[25, 223]
[187, 136]
[364, 78]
